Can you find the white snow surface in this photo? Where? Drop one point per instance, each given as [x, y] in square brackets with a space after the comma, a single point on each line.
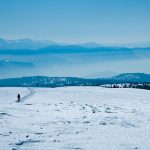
[74, 118]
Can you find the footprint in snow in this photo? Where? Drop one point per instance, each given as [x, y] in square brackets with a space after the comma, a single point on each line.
[86, 122]
[4, 134]
[58, 141]
[127, 124]
[129, 146]
[27, 142]
[107, 111]
[102, 123]
[72, 148]
[84, 117]
[4, 114]
[38, 133]
[28, 104]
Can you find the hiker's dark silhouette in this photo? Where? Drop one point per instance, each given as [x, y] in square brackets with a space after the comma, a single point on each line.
[18, 97]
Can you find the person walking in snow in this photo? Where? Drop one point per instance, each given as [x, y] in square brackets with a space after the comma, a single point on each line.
[18, 97]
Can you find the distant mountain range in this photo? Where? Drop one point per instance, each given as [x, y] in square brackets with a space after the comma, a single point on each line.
[27, 57]
[37, 47]
[132, 77]
[68, 49]
[24, 44]
[43, 81]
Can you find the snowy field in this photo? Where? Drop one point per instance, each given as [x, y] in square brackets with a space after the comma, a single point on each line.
[74, 118]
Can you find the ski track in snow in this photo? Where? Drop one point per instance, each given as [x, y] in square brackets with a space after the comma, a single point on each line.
[74, 118]
[31, 92]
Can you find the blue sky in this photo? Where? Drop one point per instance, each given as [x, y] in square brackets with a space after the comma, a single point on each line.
[76, 21]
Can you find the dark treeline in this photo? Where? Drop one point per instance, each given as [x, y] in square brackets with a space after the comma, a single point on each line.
[129, 85]
[131, 80]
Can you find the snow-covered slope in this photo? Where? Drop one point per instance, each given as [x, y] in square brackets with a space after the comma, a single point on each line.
[83, 118]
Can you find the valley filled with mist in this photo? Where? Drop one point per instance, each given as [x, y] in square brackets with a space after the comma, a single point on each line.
[46, 58]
